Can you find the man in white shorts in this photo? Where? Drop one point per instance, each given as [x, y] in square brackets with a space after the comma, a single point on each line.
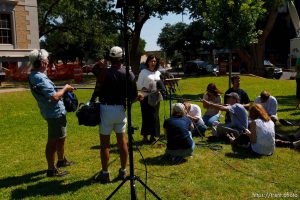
[111, 90]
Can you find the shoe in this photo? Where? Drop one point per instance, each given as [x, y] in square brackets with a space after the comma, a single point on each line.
[283, 137]
[122, 174]
[178, 160]
[152, 139]
[64, 163]
[281, 143]
[101, 177]
[56, 173]
[145, 140]
[285, 122]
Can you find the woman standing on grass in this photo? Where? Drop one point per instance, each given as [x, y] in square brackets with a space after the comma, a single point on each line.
[148, 82]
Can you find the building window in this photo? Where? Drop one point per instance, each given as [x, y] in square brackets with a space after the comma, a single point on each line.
[5, 29]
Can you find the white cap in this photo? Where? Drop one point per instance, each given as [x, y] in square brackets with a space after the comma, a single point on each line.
[116, 52]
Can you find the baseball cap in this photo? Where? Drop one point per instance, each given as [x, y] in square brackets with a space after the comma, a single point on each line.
[116, 52]
[178, 108]
[233, 95]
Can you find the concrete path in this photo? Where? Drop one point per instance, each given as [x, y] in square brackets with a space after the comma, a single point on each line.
[7, 90]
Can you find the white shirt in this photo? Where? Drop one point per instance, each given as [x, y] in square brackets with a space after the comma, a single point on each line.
[265, 137]
[195, 111]
[147, 79]
[270, 105]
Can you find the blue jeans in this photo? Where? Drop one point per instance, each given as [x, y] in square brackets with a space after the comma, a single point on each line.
[200, 129]
[208, 120]
[181, 152]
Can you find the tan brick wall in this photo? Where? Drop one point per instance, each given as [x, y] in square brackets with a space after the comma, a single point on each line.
[22, 41]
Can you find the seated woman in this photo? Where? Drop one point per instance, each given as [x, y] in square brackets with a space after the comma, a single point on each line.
[193, 111]
[213, 95]
[261, 134]
[177, 129]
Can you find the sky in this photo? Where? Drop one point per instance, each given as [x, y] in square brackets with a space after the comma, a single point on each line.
[153, 26]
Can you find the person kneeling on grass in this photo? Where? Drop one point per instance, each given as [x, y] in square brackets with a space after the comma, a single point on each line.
[193, 111]
[177, 129]
[260, 138]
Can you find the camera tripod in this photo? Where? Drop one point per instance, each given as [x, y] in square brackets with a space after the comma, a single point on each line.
[132, 178]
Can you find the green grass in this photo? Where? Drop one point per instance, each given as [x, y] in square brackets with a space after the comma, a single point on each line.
[208, 175]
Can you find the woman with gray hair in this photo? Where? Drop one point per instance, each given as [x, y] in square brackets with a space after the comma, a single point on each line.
[52, 108]
[177, 129]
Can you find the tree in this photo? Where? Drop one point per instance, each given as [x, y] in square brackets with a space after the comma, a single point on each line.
[83, 29]
[242, 25]
[188, 40]
[171, 39]
[139, 14]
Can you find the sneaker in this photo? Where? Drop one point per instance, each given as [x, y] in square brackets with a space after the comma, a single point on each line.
[56, 173]
[101, 177]
[122, 174]
[178, 160]
[64, 163]
[152, 140]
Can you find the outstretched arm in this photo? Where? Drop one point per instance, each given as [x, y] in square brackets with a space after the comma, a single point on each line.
[217, 106]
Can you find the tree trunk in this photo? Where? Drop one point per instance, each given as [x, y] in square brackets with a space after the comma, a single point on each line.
[140, 20]
[254, 58]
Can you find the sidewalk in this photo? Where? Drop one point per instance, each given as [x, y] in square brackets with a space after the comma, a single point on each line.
[7, 90]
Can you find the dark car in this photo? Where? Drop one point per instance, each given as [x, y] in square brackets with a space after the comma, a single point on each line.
[199, 67]
[272, 71]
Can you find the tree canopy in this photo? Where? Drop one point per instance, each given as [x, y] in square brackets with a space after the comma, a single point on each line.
[82, 29]
[188, 40]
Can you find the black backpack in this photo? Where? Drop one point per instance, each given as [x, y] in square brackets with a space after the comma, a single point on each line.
[89, 114]
[70, 101]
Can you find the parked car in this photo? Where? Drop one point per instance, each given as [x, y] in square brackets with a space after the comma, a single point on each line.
[272, 71]
[199, 67]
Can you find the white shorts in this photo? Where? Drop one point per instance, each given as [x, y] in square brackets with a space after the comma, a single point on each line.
[113, 117]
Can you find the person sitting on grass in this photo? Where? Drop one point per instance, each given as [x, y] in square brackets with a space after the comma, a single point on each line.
[260, 137]
[177, 129]
[238, 117]
[269, 103]
[213, 95]
[194, 113]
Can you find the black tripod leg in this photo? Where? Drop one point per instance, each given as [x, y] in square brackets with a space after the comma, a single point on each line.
[119, 186]
[152, 192]
[170, 102]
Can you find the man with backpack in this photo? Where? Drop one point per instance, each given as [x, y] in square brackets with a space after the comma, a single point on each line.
[52, 109]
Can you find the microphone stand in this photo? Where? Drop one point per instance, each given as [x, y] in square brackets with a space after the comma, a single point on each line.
[132, 178]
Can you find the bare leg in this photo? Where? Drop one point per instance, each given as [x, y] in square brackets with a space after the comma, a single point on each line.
[51, 148]
[122, 144]
[61, 148]
[104, 151]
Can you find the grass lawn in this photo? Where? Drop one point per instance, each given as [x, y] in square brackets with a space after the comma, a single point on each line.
[210, 174]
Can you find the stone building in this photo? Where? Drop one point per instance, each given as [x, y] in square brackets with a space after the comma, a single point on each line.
[19, 32]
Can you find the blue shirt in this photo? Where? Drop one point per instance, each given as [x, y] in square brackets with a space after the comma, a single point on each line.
[178, 134]
[239, 117]
[45, 89]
